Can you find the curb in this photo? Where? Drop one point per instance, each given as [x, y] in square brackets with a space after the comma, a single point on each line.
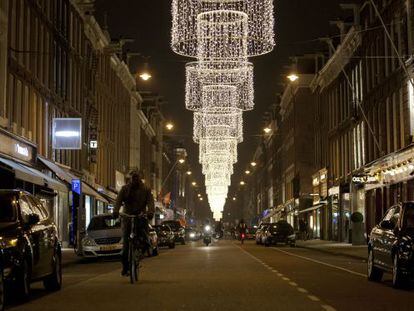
[332, 252]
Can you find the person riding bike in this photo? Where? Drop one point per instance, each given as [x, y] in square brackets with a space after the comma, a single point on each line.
[137, 199]
[242, 228]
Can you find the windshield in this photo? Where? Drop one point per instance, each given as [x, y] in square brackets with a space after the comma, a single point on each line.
[408, 221]
[8, 203]
[103, 223]
[281, 227]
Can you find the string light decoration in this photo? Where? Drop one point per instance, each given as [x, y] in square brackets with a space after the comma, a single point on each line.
[224, 123]
[221, 35]
[260, 24]
[231, 82]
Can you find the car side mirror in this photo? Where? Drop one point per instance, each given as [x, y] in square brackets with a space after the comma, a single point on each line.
[33, 219]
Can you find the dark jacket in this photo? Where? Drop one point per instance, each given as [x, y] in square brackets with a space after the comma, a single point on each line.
[135, 200]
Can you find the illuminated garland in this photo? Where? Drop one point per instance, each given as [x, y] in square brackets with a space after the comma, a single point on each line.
[222, 35]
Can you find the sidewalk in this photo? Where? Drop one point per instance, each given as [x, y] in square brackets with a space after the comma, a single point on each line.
[69, 257]
[335, 248]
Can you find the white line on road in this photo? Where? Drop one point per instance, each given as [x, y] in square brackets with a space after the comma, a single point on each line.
[328, 308]
[313, 298]
[302, 290]
[320, 262]
[293, 284]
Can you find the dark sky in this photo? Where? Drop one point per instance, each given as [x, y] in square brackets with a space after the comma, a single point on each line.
[149, 23]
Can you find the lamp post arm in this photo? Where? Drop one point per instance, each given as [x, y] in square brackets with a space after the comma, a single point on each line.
[168, 175]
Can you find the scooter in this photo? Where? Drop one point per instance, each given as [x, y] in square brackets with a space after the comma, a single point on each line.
[207, 235]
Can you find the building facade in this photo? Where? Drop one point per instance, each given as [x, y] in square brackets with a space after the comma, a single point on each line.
[57, 62]
[364, 134]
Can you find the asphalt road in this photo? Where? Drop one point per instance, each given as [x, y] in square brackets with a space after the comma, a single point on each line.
[224, 276]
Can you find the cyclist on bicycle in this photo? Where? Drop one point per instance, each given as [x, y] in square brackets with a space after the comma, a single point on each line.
[137, 199]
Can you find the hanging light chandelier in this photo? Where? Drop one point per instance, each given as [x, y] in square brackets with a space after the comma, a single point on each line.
[221, 35]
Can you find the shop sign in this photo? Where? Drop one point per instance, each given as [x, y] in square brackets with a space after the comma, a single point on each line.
[67, 133]
[16, 149]
[362, 180]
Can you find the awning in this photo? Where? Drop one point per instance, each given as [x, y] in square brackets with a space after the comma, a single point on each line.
[315, 207]
[88, 190]
[66, 176]
[33, 176]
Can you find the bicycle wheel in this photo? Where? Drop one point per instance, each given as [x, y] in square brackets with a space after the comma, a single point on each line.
[133, 275]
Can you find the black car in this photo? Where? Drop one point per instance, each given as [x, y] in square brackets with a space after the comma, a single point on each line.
[29, 243]
[391, 246]
[280, 232]
[166, 236]
[178, 230]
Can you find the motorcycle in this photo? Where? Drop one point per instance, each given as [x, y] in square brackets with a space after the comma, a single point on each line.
[207, 235]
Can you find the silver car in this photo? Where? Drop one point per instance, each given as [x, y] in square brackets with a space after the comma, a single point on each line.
[103, 237]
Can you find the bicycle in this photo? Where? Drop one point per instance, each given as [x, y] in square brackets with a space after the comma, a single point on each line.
[135, 249]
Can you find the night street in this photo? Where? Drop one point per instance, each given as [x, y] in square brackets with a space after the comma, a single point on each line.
[225, 276]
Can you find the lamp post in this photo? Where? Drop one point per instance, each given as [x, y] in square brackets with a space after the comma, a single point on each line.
[181, 161]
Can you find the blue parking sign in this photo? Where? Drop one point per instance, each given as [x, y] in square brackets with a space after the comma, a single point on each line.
[77, 186]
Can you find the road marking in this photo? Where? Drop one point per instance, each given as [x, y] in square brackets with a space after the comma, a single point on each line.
[320, 262]
[313, 298]
[300, 289]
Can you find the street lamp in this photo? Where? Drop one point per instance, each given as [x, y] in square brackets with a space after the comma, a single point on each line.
[169, 126]
[201, 199]
[199, 195]
[145, 76]
[189, 173]
[242, 183]
[267, 130]
[181, 161]
[194, 183]
[253, 164]
[247, 172]
[293, 77]
[234, 198]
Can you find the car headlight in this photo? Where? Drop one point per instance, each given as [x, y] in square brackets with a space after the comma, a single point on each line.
[207, 228]
[87, 241]
[192, 235]
[7, 243]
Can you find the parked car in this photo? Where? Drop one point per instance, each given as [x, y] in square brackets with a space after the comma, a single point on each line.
[391, 246]
[103, 237]
[153, 236]
[251, 233]
[31, 250]
[178, 230]
[166, 236]
[260, 233]
[279, 232]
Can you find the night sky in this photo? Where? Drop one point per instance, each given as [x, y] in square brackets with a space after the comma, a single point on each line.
[298, 23]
